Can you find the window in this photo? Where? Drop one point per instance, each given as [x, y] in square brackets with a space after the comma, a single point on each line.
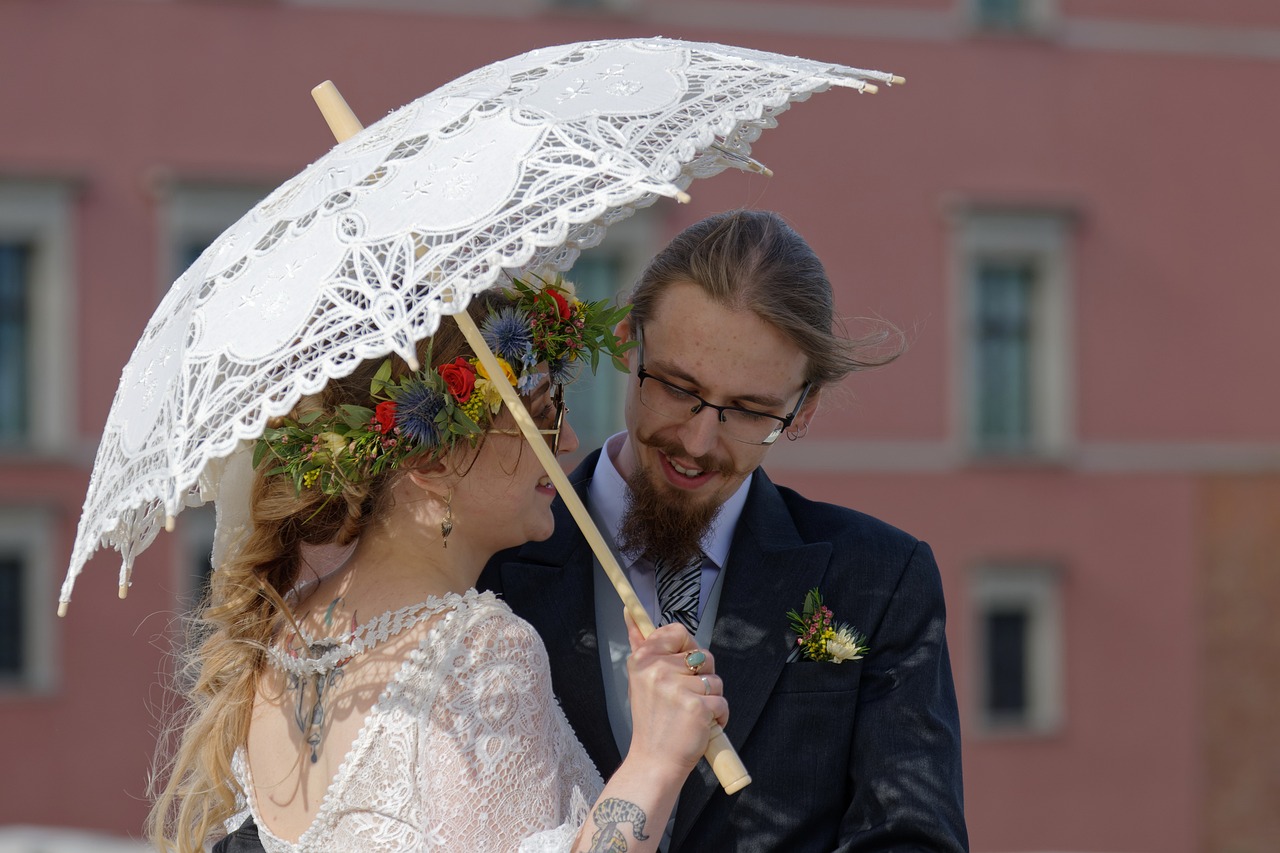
[1019, 649]
[196, 526]
[595, 400]
[606, 272]
[1005, 293]
[15, 335]
[195, 216]
[36, 345]
[13, 642]
[26, 636]
[591, 5]
[1012, 16]
[1014, 371]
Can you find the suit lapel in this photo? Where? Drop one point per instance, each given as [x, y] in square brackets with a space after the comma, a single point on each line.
[549, 584]
[769, 570]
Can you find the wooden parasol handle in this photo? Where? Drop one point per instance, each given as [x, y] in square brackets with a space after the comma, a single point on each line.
[720, 754]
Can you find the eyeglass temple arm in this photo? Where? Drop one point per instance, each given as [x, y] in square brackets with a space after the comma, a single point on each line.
[720, 754]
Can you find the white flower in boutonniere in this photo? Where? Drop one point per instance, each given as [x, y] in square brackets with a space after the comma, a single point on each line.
[820, 638]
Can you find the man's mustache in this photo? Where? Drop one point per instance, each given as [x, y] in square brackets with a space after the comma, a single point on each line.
[704, 463]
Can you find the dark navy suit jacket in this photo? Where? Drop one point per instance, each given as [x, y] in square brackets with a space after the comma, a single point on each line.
[858, 756]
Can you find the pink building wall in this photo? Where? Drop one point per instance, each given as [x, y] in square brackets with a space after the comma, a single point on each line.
[1151, 122]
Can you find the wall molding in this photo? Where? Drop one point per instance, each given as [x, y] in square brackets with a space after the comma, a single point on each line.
[943, 457]
[835, 21]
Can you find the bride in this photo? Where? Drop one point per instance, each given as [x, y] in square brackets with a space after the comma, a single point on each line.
[388, 705]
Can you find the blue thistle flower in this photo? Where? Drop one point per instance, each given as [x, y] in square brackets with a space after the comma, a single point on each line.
[563, 371]
[416, 410]
[507, 333]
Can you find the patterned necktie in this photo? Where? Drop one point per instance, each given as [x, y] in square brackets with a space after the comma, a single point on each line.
[679, 589]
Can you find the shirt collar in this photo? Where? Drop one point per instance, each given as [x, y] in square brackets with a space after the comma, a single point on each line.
[607, 494]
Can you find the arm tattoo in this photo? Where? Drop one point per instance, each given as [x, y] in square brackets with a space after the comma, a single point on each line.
[607, 816]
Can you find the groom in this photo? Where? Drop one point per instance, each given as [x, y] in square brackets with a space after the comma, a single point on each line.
[733, 321]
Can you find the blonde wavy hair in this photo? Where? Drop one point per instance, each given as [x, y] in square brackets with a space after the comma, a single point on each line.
[225, 651]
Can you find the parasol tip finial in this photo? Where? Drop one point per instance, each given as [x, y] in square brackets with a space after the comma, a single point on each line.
[341, 120]
[896, 80]
[124, 590]
[169, 523]
[683, 197]
[869, 88]
[62, 608]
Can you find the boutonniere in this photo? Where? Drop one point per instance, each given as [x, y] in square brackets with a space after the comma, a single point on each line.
[819, 637]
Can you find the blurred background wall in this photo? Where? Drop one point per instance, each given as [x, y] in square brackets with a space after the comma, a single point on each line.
[1071, 209]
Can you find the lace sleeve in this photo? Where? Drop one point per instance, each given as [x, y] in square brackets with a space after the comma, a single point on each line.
[498, 762]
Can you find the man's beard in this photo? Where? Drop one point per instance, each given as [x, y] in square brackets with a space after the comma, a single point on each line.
[663, 523]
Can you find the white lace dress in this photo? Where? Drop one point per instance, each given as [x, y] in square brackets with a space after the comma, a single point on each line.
[466, 749]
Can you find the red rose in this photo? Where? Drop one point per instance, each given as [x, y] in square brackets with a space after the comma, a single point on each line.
[385, 415]
[561, 303]
[459, 378]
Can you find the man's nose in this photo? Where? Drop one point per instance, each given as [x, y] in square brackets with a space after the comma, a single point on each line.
[700, 433]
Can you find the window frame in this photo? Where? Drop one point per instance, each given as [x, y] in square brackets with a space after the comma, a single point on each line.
[28, 533]
[1042, 239]
[39, 213]
[1034, 588]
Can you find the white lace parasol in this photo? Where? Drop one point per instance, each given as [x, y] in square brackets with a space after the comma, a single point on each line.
[516, 166]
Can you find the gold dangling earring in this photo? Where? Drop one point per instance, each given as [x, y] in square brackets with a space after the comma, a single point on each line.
[446, 524]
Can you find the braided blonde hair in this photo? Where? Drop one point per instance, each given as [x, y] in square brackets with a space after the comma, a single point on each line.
[246, 610]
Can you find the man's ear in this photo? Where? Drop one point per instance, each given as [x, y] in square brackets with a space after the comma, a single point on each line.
[809, 410]
[624, 332]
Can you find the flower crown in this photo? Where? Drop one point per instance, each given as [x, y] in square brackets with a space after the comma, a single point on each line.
[428, 412]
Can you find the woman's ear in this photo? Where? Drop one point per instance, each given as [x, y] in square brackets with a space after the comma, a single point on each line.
[431, 475]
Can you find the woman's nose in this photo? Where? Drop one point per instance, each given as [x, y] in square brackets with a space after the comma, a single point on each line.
[568, 438]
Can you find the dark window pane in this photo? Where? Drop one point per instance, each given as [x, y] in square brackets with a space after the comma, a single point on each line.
[201, 562]
[1001, 14]
[592, 400]
[1004, 341]
[1006, 644]
[12, 640]
[190, 252]
[15, 332]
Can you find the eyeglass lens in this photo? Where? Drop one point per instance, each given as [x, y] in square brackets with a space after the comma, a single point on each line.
[676, 403]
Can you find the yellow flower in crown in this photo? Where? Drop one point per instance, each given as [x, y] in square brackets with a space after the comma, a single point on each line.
[333, 442]
[484, 397]
[506, 370]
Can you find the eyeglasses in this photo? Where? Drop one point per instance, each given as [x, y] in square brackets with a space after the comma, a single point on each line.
[749, 427]
[557, 400]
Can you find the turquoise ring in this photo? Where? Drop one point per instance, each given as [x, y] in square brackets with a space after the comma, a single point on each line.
[694, 660]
